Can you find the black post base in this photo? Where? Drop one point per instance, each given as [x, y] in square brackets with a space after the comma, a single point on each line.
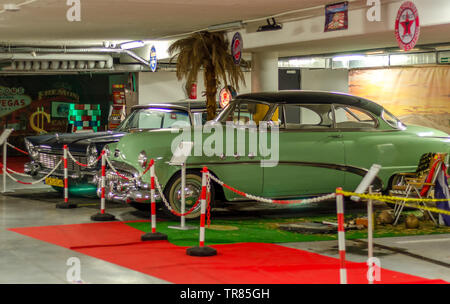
[66, 205]
[157, 236]
[105, 217]
[201, 251]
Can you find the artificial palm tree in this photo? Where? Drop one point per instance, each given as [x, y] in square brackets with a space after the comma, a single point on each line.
[207, 51]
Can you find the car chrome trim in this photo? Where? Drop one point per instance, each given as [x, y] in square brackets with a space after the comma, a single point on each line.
[351, 169]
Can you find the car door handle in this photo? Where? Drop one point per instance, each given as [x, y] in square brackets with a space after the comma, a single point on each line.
[336, 136]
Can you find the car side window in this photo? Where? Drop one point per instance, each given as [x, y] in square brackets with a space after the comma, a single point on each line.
[353, 118]
[245, 112]
[303, 117]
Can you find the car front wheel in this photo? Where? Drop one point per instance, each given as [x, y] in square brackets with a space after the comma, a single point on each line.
[193, 190]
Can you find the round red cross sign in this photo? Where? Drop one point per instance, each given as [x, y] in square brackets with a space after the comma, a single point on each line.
[407, 26]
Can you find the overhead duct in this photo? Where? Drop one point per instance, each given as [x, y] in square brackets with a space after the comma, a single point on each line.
[63, 59]
[27, 61]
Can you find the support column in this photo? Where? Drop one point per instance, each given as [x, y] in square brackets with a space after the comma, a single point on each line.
[265, 72]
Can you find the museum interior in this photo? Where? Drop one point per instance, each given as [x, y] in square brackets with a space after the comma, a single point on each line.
[213, 143]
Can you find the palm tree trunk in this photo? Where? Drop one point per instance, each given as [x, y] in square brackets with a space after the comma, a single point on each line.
[211, 91]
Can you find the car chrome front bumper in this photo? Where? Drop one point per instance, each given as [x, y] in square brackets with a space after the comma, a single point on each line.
[121, 190]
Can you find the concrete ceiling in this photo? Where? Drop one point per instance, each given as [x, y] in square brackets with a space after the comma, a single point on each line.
[44, 21]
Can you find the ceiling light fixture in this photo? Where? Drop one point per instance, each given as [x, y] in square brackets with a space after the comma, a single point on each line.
[132, 45]
[347, 58]
[274, 26]
[11, 7]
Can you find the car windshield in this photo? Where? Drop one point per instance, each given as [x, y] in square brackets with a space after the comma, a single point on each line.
[392, 120]
[154, 119]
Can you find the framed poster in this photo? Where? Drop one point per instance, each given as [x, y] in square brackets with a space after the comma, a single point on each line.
[60, 109]
[336, 16]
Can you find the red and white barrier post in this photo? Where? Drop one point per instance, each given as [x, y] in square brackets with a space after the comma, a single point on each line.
[341, 236]
[5, 146]
[153, 235]
[103, 216]
[66, 204]
[202, 250]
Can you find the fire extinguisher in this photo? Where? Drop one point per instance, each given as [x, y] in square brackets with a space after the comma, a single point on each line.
[193, 94]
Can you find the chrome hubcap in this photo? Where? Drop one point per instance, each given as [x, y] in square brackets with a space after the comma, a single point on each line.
[192, 192]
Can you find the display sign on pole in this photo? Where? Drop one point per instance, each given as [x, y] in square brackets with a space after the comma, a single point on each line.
[4, 142]
[179, 159]
[4, 136]
[153, 59]
[236, 48]
[407, 26]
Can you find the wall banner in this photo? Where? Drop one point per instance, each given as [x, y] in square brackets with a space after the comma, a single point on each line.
[416, 95]
[336, 16]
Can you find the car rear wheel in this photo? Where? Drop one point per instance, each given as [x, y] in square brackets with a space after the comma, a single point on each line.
[193, 190]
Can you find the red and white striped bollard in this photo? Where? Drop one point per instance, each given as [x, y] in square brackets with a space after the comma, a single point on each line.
[202, 250]
[341, 235]
[66, 204]
[153, 235]
[103, 216]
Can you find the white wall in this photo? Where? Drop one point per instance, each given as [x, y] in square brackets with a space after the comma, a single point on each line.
[325, 80]
[164, 87]
[432, 13]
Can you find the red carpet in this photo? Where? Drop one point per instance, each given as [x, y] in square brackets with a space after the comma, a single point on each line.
[244, 263]
[15, 163]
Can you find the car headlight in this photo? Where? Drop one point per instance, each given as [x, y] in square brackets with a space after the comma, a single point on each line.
[92, 154]
[142, 159]
[32, 150]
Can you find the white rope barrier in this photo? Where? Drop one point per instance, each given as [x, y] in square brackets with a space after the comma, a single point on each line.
[37, 181]
[18, 173]
[84, 165]
[117, 172]
[273, 201]
[166, 203]
[15, 148]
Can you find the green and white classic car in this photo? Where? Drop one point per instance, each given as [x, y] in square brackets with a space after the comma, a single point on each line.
[286, 144]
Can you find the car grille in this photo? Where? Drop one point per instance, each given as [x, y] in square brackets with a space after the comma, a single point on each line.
[49, 161]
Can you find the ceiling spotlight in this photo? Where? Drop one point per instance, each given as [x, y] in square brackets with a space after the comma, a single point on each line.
[11, 7]
[274, 26]
[132, 45]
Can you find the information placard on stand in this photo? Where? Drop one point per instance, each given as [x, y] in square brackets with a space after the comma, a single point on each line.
[4, 136]
[4, 141]
[179, 159]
